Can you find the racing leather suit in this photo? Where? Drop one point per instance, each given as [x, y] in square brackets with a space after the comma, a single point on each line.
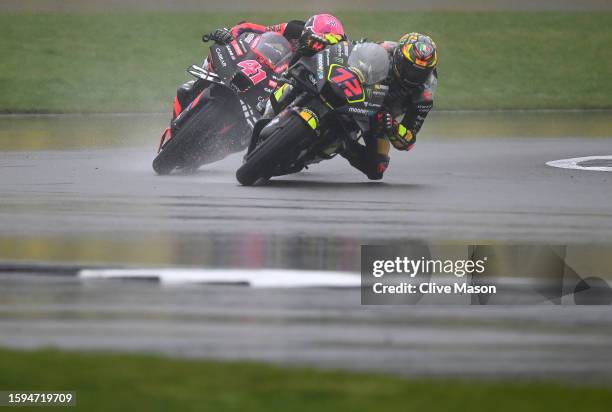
[408, 108]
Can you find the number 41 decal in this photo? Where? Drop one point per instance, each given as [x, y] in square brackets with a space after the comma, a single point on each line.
[252, 69]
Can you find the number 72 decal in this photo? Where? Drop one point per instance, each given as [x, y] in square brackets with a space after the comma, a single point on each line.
[252, 69]
[347, 81]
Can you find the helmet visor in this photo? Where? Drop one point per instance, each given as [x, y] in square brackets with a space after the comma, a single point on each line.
[409, 72]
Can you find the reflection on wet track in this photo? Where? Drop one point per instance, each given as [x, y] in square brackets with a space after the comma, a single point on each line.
[80, 190]
[56, 132]
[320, 327]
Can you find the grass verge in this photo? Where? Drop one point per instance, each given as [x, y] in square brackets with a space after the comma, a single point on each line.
[119, 382]
[134, 62]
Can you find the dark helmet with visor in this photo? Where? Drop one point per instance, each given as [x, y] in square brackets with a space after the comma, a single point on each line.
[415, 59]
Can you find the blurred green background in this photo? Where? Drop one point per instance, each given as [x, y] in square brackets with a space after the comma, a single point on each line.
[113, 382]
[133, 62]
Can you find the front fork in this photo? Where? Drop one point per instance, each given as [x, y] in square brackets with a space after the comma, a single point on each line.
[309, 109]
[165, 137]
[313, 112]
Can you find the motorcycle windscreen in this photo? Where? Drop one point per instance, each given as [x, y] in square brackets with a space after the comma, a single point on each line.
[371, 61]
[274, 49]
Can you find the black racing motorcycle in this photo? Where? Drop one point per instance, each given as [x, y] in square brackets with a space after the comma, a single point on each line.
[220, 119]
[324, 101]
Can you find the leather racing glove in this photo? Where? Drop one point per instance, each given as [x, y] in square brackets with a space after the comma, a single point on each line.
[400, 137]
[311, 43]
[222, 35]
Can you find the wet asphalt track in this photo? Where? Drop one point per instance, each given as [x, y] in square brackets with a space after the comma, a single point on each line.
[318, 327]
[468, 190]
[465, 190]
[106, 206]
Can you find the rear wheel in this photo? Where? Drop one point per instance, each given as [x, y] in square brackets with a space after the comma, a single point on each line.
[196, 142]
[261, 163]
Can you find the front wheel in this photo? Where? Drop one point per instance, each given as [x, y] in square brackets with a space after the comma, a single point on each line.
[196, 142]
[269, 154]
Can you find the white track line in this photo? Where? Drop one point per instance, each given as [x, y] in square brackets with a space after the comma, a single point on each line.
[573, 163]
[266, 278]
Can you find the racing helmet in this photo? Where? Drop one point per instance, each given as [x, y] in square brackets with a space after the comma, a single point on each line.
[324, 26]
[414, 59]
